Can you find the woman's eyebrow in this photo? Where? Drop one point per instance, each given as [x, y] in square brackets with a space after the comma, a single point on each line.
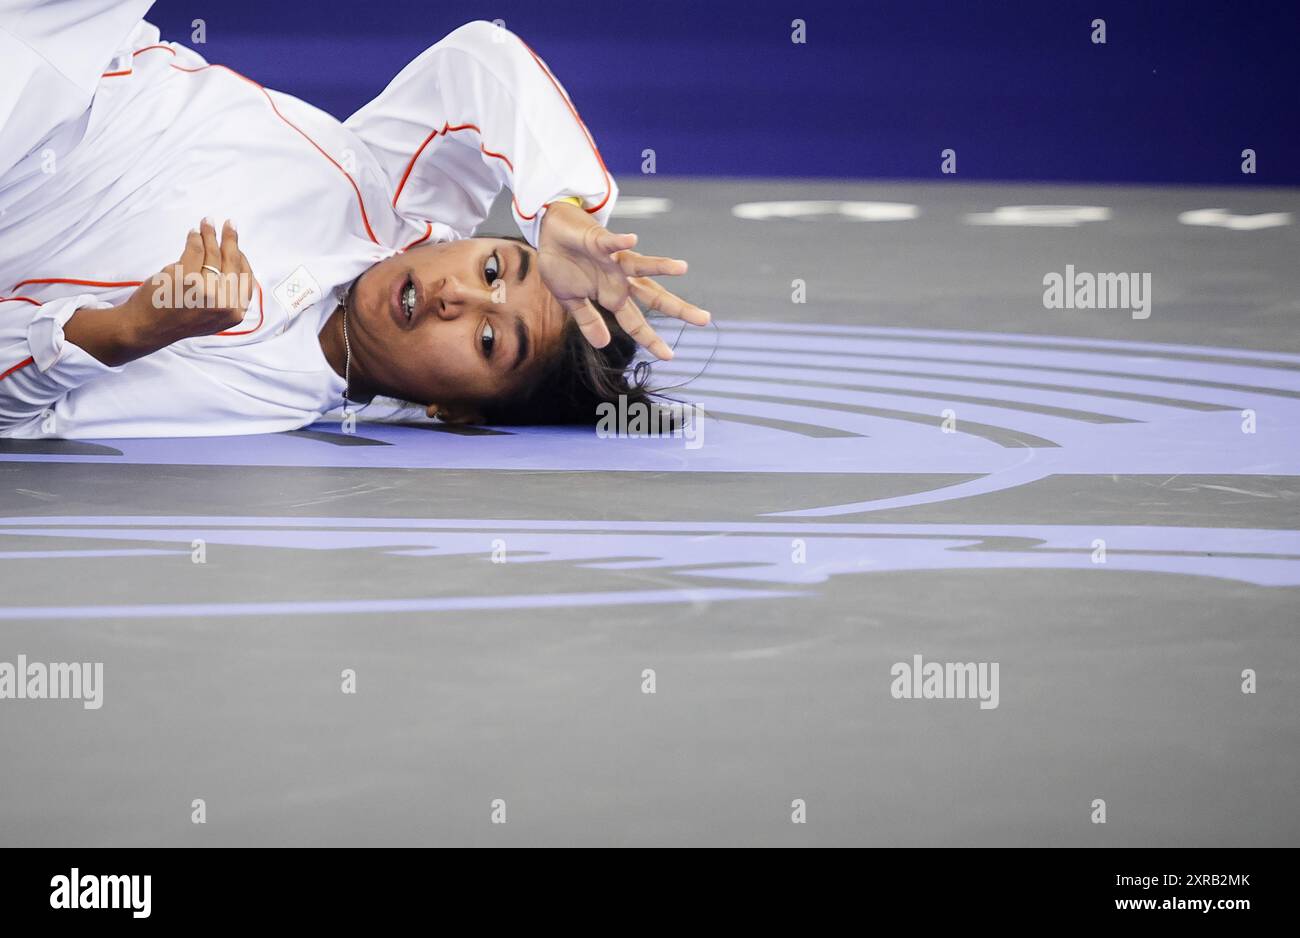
[524, 260]
[521, 342]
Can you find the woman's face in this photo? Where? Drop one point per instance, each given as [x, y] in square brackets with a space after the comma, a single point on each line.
[455, 324]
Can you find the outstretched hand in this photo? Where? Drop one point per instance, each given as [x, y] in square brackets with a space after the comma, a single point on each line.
[581, 261]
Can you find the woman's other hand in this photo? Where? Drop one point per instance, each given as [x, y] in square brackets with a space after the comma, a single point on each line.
[206, 291]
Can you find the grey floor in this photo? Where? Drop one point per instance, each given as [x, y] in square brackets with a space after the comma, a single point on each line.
[522, 680]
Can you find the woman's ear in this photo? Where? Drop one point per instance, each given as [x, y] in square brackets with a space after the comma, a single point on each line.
[454, 413]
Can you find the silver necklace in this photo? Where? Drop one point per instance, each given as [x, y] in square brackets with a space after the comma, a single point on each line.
[347, 350]
[347, 358]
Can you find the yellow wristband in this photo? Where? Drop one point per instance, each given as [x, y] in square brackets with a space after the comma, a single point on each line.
[572, 200]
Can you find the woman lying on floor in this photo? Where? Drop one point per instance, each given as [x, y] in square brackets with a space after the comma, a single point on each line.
[354, 274]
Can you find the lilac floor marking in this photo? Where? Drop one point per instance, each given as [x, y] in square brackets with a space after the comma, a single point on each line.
[387, 606]
[1114, 408]
[980, 374]
[1009, 338]
[756, 552]
[81, 554]
[1011, 478]
[1165, 374]
[1166, 440]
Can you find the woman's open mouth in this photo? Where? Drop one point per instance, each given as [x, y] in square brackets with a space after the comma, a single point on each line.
[405, 302]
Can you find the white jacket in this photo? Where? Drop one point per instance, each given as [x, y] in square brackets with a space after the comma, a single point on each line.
[113, 144]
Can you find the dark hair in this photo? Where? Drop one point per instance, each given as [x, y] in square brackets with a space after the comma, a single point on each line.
[577, 380]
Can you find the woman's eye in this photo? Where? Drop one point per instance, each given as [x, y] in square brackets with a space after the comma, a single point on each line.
[488, 340]
[492, 269]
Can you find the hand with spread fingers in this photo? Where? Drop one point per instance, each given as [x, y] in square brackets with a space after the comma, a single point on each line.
[581, 262]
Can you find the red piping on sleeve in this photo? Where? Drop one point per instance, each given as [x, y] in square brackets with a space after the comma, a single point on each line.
[261, 315]
[365, 219]
[261, 306]
[128, 71]
[587, 133]
[18, 367]
[80, 283]
[428, 230]
[15, 299]
[448, 128]
[443, 131]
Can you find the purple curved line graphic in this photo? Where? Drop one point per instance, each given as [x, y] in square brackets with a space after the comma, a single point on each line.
[1007, 338]
[994, 482]
[758, 554]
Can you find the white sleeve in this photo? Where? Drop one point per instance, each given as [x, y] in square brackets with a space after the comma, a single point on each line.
[52, 55]
[476, 112]
[38, 366]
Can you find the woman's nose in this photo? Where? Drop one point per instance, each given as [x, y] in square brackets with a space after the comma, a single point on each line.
[454, 298]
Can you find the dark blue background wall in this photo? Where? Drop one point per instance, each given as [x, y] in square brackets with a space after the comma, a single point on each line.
[1017, 89]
